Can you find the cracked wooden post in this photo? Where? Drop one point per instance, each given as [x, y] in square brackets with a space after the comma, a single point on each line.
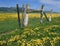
[23, 8]
[25, 15]
[18, 15]
[43, 13]
[50, 17]
[42, 10]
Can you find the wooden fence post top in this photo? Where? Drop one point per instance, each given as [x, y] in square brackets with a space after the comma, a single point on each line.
[17, 5]
[27, 6]
[42, 7]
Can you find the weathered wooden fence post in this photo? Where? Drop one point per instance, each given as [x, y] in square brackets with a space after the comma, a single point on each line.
[18, 15]
[43, 13]
[25, 16]
[42, 10]
[50, 17]
[23, 9]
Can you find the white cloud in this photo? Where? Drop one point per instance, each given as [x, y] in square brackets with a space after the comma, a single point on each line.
[55, 3]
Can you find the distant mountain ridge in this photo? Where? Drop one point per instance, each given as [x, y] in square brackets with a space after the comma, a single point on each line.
[13, 9]
[6, 9]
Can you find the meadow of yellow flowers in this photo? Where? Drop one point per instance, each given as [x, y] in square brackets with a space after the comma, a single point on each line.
[35, 34]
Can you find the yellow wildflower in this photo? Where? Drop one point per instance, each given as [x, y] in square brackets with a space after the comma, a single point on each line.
[38, 41]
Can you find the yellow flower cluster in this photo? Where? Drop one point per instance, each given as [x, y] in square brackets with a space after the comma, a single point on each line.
[2, 42]
[15, 38]
[37, 28]
[38, 41]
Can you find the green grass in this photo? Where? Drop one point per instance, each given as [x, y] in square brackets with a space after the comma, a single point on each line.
[8, 25]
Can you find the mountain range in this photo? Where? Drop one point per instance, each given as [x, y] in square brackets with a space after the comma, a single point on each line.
[13, 10]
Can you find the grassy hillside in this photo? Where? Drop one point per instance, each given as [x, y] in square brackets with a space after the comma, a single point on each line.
[35, 34]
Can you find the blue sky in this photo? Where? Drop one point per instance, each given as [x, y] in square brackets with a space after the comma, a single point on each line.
[34, 4]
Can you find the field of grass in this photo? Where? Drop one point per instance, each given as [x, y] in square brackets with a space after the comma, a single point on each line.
[35, 34]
